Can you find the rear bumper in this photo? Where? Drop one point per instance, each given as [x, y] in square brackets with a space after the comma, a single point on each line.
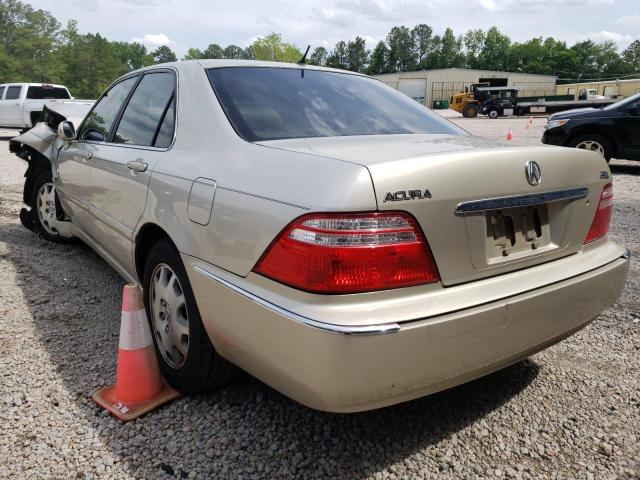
[347, 369]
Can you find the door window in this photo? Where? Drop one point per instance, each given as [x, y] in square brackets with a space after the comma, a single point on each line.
[98, 124]
[13, 92]
[144, 113]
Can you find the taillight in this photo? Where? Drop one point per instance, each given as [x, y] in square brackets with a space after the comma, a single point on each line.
[600, 224]
[350, 253]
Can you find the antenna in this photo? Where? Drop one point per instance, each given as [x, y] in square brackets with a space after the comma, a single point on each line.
[303, 60]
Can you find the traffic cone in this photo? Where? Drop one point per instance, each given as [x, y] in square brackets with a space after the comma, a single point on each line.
[529, 123]
[509, 135]
[139, 386]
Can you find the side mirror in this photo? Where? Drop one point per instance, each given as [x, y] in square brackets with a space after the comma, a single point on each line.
[66, 131]
[635, 111]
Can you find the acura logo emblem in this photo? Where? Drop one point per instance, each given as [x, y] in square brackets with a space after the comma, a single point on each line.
[533, 172]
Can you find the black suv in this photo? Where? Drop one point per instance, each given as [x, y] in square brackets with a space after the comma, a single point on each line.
[612, 131]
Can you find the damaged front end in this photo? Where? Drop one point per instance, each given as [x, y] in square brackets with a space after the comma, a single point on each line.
[39, 148]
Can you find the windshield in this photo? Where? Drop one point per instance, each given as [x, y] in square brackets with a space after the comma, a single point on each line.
[278, 103]
[626, 102]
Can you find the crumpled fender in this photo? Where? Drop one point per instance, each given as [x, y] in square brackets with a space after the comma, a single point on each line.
[42, 138]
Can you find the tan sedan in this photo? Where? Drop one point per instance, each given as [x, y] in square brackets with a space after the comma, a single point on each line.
[324, 232]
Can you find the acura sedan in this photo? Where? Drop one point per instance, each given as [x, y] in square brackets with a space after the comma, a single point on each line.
[324, 232]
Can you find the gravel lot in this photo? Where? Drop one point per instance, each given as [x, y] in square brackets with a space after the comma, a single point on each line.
[572, 411]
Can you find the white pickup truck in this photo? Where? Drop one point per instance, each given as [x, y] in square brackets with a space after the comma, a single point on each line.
[21, 103]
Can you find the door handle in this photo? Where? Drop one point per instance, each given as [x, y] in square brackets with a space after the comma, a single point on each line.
[137, 166]
[86, 155]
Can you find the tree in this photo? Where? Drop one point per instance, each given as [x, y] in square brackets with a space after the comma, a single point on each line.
[401, 53]
[473, 43]
[163, 54]
[193, 54]
[213, 51]
[272, 48]
[421, 38]
[234, 52]
[378, 62]
[357, 55]
[495, 51]
[631, 55]
[338, 56]
[318, 56]
[132, 55]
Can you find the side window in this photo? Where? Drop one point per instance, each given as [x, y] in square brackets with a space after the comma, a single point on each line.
[165, 133]
[13, 92]
[99, 122]
[144, 112]
[1, 91]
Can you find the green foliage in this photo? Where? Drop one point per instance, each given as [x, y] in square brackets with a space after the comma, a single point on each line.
[163, 55]
[357, 55]
[401, 56]
[631, 55]
[318, 56]
[273, 49]
[379, 60]
[338, 57]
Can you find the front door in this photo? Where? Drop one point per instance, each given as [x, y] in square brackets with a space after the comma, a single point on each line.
[121, 169]
[629, 124]
[75, 160]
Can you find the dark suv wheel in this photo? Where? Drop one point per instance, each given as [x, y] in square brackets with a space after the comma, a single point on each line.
[593, 142]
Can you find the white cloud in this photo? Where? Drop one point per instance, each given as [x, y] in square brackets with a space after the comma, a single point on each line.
[620, 39]
[631, 21]
[538, 5]
[488, 5]
[154, 40]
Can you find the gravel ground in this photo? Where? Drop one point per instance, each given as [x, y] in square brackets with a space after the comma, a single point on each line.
[572, 411]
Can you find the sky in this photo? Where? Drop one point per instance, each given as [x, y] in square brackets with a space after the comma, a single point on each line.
[182, 24]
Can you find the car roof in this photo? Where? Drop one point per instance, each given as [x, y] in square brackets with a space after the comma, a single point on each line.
[223, 63]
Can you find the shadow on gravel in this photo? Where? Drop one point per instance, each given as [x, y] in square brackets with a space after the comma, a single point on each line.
[628, 169]
[246, 430]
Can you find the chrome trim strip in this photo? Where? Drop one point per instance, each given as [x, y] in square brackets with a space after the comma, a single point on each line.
[326, 327]
[521, 200]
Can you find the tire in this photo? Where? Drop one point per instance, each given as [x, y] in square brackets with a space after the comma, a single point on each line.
[193, 368]
[470, 111]
[493, 113]
[593, 142]
[45, 207]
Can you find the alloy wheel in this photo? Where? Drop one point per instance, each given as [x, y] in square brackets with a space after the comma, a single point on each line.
[592, 146]
[46, 207]
[170, 319]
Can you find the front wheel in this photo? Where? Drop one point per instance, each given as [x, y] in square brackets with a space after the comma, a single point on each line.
[187, 358]
[45, 207]
[593, 142]
[494, 114]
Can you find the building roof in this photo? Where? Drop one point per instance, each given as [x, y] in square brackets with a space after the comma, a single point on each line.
[458, 69]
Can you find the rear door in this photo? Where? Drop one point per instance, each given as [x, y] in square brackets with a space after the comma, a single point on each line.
[121, 168]
[629, 125]
[10, 111]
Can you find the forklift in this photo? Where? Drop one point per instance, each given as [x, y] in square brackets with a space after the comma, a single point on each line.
[483, 99]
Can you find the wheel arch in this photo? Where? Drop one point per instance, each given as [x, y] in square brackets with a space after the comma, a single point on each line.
[148, 235]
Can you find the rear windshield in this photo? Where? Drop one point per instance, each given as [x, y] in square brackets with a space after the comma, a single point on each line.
[278, 103]
[45, 92]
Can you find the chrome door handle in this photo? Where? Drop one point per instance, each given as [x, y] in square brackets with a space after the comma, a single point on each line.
[86, 155]
[137, 166]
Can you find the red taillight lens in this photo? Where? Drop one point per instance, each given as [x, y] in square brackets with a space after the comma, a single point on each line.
[350, 253]
[600, 224]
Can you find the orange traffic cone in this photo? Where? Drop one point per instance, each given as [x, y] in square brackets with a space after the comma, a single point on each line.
[509, 135]
[139, 386]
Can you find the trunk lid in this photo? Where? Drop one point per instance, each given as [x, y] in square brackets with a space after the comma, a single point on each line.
[528, 225]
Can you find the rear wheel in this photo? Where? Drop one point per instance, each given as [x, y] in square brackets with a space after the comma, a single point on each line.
[493, 113]
[470, 111]
[45, 207]
[186, 356]
[593, 143]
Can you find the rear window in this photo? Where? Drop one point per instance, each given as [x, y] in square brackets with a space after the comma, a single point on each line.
[279, 103]
[47, 92]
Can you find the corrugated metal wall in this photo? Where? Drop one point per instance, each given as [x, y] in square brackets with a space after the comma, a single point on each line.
[441, 84]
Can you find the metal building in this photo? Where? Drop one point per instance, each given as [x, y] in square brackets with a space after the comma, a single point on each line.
[613, 89]
[427, 86]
